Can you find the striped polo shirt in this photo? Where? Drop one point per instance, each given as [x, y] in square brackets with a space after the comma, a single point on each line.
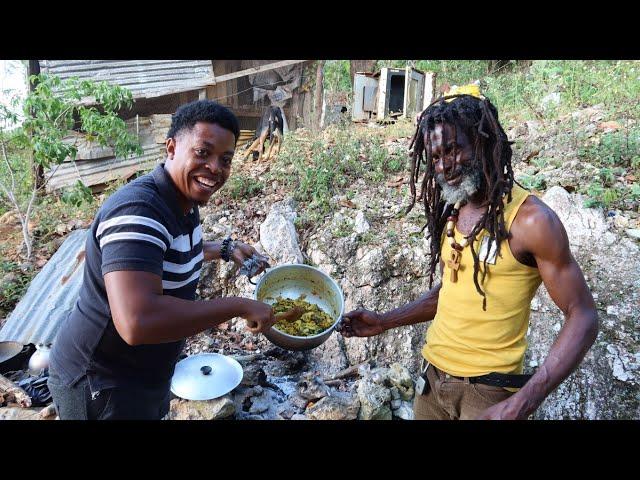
[140, 227]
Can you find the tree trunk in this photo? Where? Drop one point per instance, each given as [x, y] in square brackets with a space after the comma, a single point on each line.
[318, 93]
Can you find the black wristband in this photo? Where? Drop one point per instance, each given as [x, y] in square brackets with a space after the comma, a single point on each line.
[225, 251]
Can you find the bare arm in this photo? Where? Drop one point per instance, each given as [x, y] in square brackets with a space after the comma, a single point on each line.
[143, 315]
[211, 250]
[365, 323]
[423, 309]
[546, 239]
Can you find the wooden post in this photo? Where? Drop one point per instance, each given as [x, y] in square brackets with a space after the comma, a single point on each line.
[318, 93]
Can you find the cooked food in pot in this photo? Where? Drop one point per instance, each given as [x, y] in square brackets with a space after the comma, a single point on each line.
[311, 322]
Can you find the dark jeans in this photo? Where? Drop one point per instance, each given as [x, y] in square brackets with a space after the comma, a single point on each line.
[118, 403]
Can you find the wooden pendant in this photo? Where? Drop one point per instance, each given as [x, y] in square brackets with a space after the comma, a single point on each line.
[454, 264]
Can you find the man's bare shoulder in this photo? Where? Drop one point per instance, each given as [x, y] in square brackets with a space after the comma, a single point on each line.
[536, 224]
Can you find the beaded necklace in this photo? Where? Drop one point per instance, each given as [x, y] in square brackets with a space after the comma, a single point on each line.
[456, 248]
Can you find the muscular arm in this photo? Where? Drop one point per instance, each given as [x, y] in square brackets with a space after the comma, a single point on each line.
[143, 315]
[541, 233]
[420, 310]
[365, 323]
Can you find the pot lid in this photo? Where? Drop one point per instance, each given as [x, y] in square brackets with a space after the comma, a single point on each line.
[205, 376]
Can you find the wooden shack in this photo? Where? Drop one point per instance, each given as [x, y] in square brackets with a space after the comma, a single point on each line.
[159, 87]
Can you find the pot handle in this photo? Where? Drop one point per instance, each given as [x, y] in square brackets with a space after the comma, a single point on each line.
[255, 283]
[253, 264]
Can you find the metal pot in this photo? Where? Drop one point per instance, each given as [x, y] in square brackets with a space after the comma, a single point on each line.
[13, 356]
[290, 281]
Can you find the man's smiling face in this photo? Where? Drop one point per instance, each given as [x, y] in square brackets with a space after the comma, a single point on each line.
[199, 160]
[452, 152]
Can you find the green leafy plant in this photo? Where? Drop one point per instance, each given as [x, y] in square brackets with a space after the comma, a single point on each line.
[242, 186]
[533, 182]
[77, 195]
[51, 112]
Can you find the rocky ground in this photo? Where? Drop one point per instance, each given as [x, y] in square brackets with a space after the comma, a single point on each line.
[379, 257]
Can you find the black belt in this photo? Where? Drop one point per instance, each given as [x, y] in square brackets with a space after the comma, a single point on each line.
[495, 379]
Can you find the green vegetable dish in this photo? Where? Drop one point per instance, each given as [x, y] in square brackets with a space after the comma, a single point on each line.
[311, 322]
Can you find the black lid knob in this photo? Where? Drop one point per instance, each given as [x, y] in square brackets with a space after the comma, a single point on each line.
[206, 370]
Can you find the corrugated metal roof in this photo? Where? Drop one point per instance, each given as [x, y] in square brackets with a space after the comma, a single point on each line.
[103, 170]
[145, 78]
[50, 297]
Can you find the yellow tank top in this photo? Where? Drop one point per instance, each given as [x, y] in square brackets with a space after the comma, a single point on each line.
[466, 341]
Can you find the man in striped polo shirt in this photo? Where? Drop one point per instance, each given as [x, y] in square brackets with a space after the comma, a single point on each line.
[115, 355]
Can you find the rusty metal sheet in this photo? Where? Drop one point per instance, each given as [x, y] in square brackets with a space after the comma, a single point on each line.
[145, 78]
[50, 297]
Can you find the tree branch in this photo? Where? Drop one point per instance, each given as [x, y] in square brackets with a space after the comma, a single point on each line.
[6, 159]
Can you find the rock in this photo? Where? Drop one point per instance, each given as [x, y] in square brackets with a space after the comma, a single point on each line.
[379, 375]
[311, 387]
[286, 412]
[613, 310]
[361, 224]
[299, 416]
[401, 379]
[395, 404]
[610, 126]
[216, 409]
[278, 234]
[254, 417]
[253, 374]
[633, 233]
[261, 403]
[405, 412]
[8, 217]
[551, 100]
[17, 413]
[624, 366]
[585, 226]
[297, 401]
[8, 279]
[374, 401]
[337, 406]
[533, 127]
[395, 394]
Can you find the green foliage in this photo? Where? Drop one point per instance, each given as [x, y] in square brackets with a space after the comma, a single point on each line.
[533, 182]
[343, 229]
[50, 113]
[337, 76]
[620, 148]
[518, 88]
[77, 195]
[242, 186]
[617, 154]
[13, 285]
[54, 107]
[317, 168]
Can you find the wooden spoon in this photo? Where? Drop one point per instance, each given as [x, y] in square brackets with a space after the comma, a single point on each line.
[290, 315]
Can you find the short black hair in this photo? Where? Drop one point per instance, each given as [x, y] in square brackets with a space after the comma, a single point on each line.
[208, 111]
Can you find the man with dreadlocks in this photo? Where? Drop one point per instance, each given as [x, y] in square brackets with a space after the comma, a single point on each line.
[494, 244]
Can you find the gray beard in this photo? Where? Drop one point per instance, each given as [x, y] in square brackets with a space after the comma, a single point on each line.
[470, 184]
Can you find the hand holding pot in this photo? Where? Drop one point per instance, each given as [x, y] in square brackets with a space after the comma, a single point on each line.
[361, 323]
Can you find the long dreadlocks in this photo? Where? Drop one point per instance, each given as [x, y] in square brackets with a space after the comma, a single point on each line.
[491, 149]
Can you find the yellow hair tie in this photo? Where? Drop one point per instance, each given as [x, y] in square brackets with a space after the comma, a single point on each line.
[471, 89]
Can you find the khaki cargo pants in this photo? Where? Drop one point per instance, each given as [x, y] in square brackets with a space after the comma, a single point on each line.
[452, 398]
